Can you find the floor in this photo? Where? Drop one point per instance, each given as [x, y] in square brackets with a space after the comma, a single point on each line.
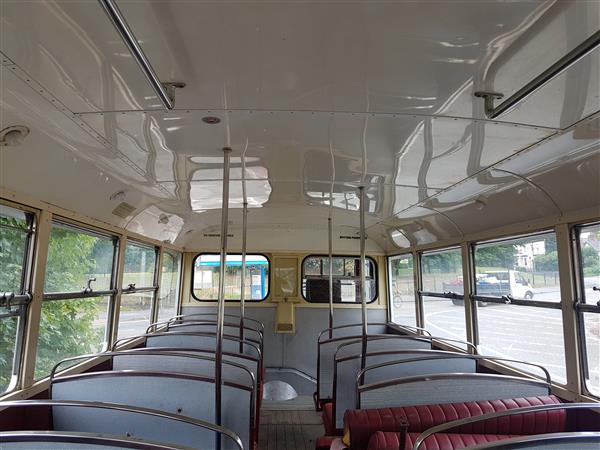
[295, 426]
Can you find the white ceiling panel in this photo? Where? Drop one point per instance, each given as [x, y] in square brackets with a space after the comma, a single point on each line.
[491, 200]
[575, 185]
[404, 57]
[423, 226]
[72, 49]
[319, 97]
[403, 150]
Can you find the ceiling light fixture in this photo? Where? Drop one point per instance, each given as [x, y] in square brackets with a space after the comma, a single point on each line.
[211, 120]
[13, 136]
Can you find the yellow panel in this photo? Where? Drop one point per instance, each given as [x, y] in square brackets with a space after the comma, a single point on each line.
[285, 318]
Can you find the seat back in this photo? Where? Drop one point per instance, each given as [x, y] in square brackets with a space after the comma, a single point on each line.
[327, 349]
[186, 395]
[249, 362]
[192, 363]
[250, 334]
[389, 365]
[53, 440]
[120, 421]
[447, 388]
[212, 316]
[203, 340]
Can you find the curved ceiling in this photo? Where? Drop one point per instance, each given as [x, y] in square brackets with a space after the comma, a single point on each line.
[319, 98]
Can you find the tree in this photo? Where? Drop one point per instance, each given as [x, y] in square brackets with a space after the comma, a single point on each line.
[591, 261]
[497, 256]
[13, 240]
[447, 262]
[547, 262]
[66, 326]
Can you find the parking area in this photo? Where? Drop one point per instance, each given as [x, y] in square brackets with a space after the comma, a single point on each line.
[525, 333]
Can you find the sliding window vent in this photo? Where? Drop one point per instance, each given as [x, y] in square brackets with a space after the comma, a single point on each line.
[123, 210]
[345, 236]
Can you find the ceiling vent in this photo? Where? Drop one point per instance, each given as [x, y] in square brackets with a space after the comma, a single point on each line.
[123, 210]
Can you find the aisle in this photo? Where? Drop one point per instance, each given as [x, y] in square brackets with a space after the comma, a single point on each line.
[289, 429]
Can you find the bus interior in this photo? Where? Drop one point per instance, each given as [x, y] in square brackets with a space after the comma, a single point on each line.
[337, 224]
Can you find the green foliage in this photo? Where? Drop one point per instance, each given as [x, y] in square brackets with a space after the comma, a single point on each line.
[591, 261]
[446, 262]
[141, 261]
[402, 267]
[12, 249]
[66, 326]
[498, 255]
[66, 329]
[8, 327]
[547, 262]
[13, 240]
[69, 260]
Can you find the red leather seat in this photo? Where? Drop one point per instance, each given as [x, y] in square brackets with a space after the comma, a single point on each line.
[361, 424]
[441, 441]
[324, 443]
[328, 420]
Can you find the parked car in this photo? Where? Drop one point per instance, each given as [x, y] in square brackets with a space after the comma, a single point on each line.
[494, 283]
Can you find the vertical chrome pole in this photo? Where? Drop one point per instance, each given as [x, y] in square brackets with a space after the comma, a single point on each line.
[243, 277]
[221, 304]
[330, 226]
[363, 275]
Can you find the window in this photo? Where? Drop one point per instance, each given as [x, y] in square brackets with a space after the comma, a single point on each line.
[16, 228]
[140, 266]
[588, 243]
[205, 278]
[169, 285]
[402, 290]
[78, 288]
[522, 270]
[139, 289]
[346, 279]
[441, 273]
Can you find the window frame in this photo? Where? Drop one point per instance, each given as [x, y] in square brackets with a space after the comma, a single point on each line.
[110, 293]
[231, 299]
[508, 299]
[128, 289]
[582, 305]
[450, 295]
[132, 289]
[23, 298]
[415, 261]
[326, 277]
[176, 255]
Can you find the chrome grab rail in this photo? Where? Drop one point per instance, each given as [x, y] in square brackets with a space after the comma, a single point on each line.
[498, 414]
[579, 52]
[164, 91]
[120, 407]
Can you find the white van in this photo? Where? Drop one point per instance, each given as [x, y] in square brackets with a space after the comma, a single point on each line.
[504, 282]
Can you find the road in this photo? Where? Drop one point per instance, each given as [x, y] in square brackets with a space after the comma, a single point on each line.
[131, 323]
[519, 332]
